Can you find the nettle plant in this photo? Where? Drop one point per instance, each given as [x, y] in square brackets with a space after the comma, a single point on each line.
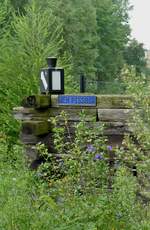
[82, 156]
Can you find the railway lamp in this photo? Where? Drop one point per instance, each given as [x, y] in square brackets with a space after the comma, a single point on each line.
[52, 78]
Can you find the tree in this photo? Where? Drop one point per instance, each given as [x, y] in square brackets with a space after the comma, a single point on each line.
[134, 55]
[113, 31]
[79, 32]
[95, 33]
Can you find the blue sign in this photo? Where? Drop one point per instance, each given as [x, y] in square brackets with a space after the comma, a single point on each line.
[77, 100]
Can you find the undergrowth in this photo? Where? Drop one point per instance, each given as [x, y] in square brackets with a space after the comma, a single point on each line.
[75, 189]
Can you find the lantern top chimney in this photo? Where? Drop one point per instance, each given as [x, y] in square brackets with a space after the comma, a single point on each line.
[51, 61]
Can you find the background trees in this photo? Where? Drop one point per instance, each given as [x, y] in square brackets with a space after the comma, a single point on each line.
[134, 55]
[113, 31]
[79, 23]
[95, 33]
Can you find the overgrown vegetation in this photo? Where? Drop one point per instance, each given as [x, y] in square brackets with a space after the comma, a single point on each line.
[84, 188]
[81, 190]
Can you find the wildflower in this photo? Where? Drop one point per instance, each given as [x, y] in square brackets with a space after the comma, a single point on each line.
[90, 148]
[109, 147]
[98, 157]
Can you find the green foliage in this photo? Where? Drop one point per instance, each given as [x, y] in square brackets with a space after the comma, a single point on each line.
[76, 148]
[35, 36]
[113, 31]
[95, 33]
[134, 55]
[19, 5]
[31, 38]
[78, 19]
[15, 188]
[82, 198]
[138, 87]
[90, 195]
[5, 16]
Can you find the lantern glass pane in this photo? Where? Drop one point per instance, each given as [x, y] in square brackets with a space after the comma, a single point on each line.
[56, 80]
[44, 83]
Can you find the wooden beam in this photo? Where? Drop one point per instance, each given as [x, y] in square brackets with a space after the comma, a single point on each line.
[114, 115]
[35, 127]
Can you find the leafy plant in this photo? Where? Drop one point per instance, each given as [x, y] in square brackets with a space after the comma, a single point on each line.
[138, 151]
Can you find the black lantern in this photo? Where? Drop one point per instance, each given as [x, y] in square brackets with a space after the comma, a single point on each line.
[52, 78]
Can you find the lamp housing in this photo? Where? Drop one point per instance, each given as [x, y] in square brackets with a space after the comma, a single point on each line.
[52, 78]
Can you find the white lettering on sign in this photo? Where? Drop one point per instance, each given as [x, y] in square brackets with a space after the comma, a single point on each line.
[77, 100]
[44, 80]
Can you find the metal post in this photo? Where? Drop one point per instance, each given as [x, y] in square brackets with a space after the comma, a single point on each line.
[82, 84]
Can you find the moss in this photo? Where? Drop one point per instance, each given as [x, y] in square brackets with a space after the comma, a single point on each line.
[114, 101]
[37, 101]
[35, 127]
